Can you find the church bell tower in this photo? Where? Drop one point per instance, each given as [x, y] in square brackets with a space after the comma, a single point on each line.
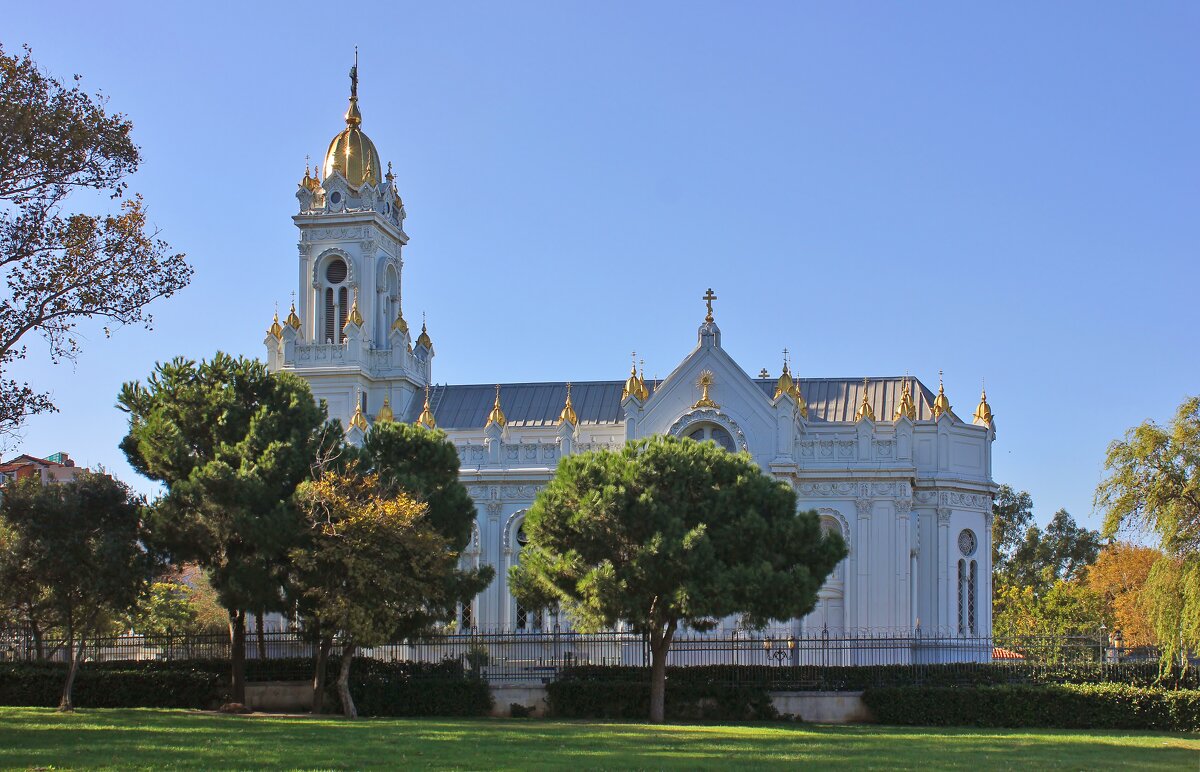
[346, 333]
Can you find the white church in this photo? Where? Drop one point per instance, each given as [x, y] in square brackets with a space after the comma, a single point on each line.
[885, 461]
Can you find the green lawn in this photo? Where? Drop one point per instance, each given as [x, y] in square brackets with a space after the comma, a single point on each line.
[129, 739]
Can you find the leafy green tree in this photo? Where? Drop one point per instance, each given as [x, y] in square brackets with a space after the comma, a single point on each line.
[1037, 623]
[423, 464]
[666, 532]
[1012, 515]
[1063, 551]
[79, 545]
[373, 564]
[179, 603]
[231, 442]
[1152, 485]
[60, 267]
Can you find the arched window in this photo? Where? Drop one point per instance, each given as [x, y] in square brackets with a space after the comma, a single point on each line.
[717, 434]
[335, 295]
[971, 623]
[962, 595]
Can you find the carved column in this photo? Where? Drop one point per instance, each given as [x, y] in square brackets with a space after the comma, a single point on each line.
[903, 598]
[862, 585]
[946, 607]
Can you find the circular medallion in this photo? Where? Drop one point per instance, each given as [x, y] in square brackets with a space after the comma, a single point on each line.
[967, 542]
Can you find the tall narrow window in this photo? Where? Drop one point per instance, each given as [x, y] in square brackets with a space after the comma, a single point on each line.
[342, 311]
[466, 618]
[971, 625]
[962, 592]
[330, 316]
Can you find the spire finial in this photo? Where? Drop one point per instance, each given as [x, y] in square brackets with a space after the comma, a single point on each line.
[864, 408]
[353, 116]
[354, 76]
[941, 405]
[708, 298]
[567, 416]
[497, 415]
[983, 413]
[426, 417]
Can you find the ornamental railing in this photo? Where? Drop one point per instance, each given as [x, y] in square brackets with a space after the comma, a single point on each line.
[783, 659]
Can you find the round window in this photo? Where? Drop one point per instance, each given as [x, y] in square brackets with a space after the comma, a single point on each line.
[335, 196]
[336, 272]
[967, 542]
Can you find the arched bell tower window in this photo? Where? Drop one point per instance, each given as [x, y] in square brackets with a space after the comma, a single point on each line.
[718, 434]
[335, 296]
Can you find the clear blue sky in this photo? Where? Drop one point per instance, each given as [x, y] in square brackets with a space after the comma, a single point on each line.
[1009, 191]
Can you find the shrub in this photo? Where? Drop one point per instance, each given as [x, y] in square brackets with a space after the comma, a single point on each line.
[1059, 706]
[624, 692]
[379, 688]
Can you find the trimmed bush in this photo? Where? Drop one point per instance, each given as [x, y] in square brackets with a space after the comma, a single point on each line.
[1056, 706]
[624, 692]
[379, 688]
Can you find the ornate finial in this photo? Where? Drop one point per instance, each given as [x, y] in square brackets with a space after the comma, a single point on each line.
[497, 415]
[426, 417]
[764, 374]
[423, 339]
[907, 408]
[983, 413]
[864, 408]
[567, 416]
[642, 380]
[353, 116]
[293, 320]
[941, 405]
[358, 420]
[385, 413]
[708, 298]
[354, 317]
[705, 382]
[389, 176]
[400, 325]
[634, 386]
[275, 329]
[785, 385]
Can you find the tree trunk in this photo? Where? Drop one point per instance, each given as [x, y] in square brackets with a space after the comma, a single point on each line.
[660, 644]
[39, 646]
[258, 630]
[237, 656]
[324, 646]
[75, 653]
[343, 682]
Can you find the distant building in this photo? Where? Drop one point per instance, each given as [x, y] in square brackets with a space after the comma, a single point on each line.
[55, 468]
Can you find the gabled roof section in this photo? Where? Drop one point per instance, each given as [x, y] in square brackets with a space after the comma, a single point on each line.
[524, 404]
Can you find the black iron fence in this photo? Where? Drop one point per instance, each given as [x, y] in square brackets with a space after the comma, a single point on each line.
[784, 658]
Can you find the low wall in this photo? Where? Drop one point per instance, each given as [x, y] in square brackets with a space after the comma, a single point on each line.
[529, 696]
[819, 707]
[823, 707]
[279, 696]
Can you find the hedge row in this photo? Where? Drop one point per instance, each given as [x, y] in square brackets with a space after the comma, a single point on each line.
[1057, 706]
[624, 693]
[378, 688]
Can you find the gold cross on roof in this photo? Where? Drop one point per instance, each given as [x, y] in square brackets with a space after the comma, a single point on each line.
[708, 298]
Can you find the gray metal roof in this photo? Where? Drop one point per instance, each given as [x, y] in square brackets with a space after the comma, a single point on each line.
[599, 402]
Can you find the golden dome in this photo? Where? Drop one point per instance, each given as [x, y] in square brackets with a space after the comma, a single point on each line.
[351, 152]
[983, 413]
[385, 412]
[293, 320]
[864, 408]
[941, 404]
[426, 417]
[275, 329]
[423, 339]
[635, 386]
[907, 407]
[567, 416]
[497, 415]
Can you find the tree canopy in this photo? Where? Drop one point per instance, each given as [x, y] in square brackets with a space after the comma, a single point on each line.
[231, 442]
[1152, 486]
[668, 532]
[79, 547]
[374, 563]
[58, 266]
